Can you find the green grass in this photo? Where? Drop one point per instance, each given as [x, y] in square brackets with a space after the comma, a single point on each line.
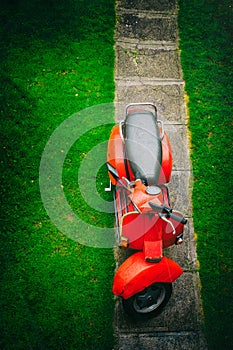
[206, 44]
[57, 58]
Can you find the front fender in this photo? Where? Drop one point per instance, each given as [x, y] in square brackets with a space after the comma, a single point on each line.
[135, 274]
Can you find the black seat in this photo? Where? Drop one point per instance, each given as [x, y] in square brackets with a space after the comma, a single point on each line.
[143, 146]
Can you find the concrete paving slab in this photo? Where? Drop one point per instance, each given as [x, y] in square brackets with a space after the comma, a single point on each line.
[158, 64]
[185, 254]
[181, 313]
[168, 96]
[180, 189]
[135, 26]
[180, 148]
[161, 341]
[149, 5]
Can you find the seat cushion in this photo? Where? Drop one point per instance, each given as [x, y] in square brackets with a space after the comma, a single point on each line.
[143, 146]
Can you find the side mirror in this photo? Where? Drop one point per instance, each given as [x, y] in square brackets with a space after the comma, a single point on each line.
[113, 171]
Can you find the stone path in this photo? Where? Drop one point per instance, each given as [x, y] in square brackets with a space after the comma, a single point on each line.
[148, 70]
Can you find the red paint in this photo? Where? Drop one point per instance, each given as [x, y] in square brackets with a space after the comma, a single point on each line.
[139, 227]
[116, 156]
[166, 170]
[135, 274]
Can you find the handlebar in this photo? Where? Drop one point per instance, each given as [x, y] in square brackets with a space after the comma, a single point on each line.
[180, 219]
[168, 212]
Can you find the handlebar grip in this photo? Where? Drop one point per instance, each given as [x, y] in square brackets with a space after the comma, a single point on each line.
[180, 219]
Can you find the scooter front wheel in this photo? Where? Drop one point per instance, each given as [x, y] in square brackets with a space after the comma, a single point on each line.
[149, 302]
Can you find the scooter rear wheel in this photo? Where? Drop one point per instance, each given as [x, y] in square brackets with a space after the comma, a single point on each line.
[149, 302]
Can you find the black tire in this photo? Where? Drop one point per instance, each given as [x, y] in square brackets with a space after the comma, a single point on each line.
[150, 302]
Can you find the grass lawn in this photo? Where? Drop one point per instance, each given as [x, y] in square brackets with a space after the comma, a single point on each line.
[57, 58]
[206, 44]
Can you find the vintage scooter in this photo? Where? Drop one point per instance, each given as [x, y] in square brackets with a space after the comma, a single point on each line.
[139, 162]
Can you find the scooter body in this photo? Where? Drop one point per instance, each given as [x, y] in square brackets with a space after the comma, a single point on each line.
[139, 162]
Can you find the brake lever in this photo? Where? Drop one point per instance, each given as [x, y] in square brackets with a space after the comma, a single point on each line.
[163, 217]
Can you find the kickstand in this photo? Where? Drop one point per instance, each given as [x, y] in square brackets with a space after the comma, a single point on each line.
[108, 189]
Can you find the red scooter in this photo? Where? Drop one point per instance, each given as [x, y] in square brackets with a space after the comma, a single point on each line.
[139, 162]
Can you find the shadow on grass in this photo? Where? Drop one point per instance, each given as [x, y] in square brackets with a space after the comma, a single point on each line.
[56, 58]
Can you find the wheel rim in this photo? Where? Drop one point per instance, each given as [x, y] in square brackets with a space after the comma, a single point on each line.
[150, 299]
